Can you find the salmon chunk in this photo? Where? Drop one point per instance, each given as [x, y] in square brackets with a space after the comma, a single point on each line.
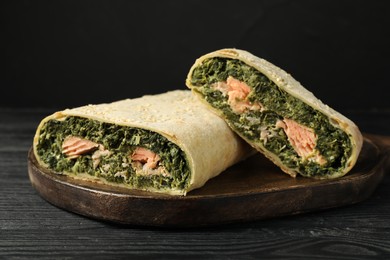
[146, 162]
[303, 139]
[74, 146]
[146, 157]
[237, 92]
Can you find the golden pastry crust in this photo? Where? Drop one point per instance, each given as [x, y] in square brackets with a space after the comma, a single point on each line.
[209, 144]
[286, 82]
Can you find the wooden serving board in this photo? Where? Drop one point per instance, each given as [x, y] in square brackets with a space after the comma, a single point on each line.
[254, 189]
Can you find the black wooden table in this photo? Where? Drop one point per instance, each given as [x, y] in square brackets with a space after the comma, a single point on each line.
[32, 228]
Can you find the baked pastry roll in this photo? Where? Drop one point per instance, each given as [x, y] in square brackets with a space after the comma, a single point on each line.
[275, 114]
[168, 143]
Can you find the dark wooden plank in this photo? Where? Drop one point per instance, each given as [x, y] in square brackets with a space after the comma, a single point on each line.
[251, 190]
[31, 228]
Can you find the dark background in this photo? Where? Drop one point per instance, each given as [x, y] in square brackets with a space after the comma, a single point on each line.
[69, 53]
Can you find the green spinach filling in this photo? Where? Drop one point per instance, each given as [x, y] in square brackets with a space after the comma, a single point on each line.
[121, 141]
[332, 143]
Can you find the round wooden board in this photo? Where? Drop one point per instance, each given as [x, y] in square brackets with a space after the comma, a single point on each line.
[251, 190]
